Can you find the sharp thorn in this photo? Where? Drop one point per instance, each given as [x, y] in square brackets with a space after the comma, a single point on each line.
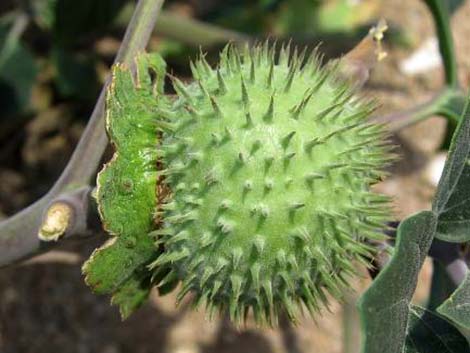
[241, 157]
[245, 98]
[285, 54]
[289, 156]
[215, 106]
[270, 75]
[221, 81]
[195, 71]
[312, 143]
[180, 88]
[296, 205]
[270, 113]
[205, 64]
[287, 139]
[203, 89]
[249, 120]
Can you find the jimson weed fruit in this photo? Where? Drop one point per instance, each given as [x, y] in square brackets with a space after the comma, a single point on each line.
[250, 186]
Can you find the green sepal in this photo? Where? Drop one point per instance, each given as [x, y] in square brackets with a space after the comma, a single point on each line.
[132, 293]
[112, 264]
[126, 187]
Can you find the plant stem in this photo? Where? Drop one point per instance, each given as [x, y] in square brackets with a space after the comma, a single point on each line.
[202, 34]
[87, 155]
[14, 35]
[448, 103]
[177, 27]
[351, 325]
[19, 234]
[446, 42]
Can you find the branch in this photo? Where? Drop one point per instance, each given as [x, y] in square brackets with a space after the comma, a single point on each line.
[177, 27]
[87, 155]
[19, 234]
[448, 103]
[50, 218]
[17, 29]
[70, 214]
[446, 43]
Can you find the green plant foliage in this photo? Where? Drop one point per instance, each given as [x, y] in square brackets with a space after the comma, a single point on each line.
[76, 74]
[430, 333]
[439, 10]
[385, 306]
[270, 165]
[442, 286]
[298, 16]
[343, 15]
[127, 185]
[454, 5]
[68, 31]
[132, 293]
[452, 201]
[457, 307]
[18, 71]
[69, 19]
[320, 16]
[452, 204]
[44, 12]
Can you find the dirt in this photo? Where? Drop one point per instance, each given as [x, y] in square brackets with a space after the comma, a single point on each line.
[46, 307]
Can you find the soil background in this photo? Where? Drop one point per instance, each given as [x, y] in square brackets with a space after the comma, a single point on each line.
[46, 307]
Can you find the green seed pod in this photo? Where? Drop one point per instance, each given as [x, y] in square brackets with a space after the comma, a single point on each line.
[269, 163]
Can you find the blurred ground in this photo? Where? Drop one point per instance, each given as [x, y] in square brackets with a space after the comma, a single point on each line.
[46, 307]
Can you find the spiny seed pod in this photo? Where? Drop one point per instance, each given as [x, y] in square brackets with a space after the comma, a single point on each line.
[269, 163]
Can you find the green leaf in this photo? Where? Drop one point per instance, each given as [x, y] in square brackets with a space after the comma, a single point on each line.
[126, 192]
[453, 5]
[457, 307]
[384, 307]
[442, 286]
[452, 201]
[44, 12]
[69, 19]
[76, 74]
[18, 72]
[430, 333]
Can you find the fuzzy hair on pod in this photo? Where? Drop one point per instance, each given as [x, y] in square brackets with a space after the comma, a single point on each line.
[269, 161]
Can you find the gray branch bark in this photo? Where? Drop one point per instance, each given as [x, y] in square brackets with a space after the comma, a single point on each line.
[19, 233]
